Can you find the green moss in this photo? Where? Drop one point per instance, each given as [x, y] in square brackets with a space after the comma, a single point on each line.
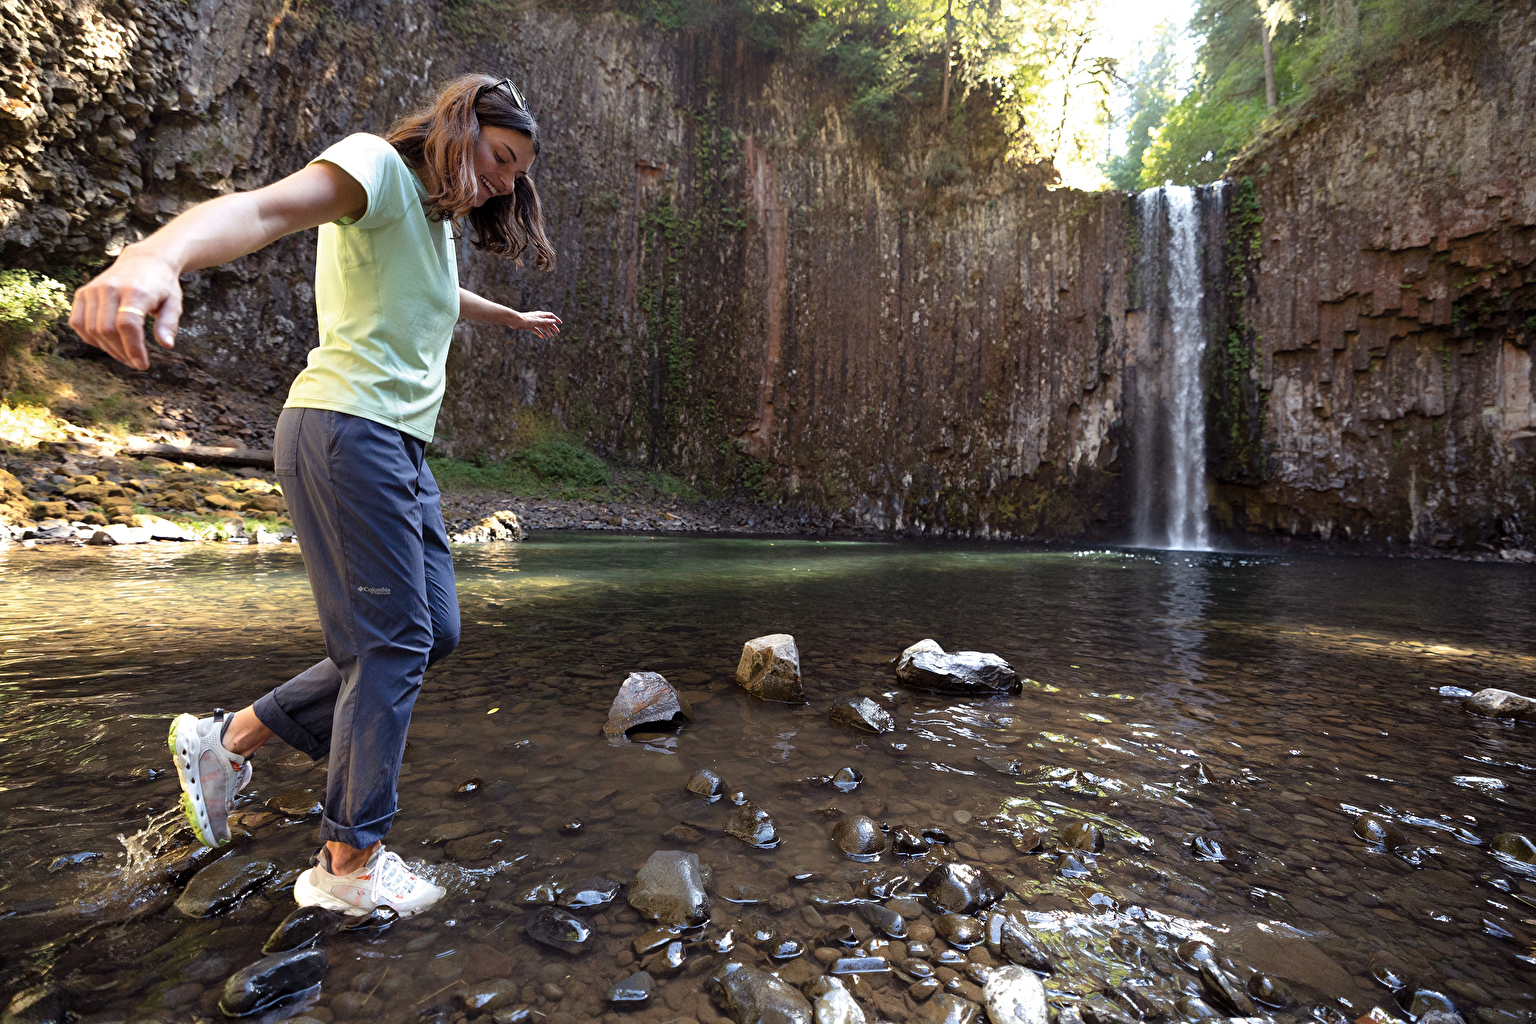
[1237, 406]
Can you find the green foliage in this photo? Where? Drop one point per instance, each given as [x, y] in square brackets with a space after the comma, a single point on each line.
[549, 463]
[1236, 417]
[1154, 92]
[29, 301]
[1319, 47]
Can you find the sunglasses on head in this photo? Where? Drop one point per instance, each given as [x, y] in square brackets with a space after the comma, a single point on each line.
[512, 92]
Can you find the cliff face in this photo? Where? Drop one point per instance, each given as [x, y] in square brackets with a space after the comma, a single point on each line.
[1388, 296]
[934, 342]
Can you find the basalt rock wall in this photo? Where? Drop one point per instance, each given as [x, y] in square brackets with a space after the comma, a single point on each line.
[1375, 381]
[752, 297]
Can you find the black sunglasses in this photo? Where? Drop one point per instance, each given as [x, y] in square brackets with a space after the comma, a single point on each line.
[512, 91]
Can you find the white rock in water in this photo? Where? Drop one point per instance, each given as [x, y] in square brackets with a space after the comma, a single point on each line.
[835, 1005]
[502, 525]
[1014, 995]
[770, 669]
[118, 533]
[1494, 703]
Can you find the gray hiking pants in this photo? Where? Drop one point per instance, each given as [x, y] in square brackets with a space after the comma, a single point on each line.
[368, 517]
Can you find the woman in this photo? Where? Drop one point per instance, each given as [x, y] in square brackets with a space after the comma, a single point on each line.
[350, 445]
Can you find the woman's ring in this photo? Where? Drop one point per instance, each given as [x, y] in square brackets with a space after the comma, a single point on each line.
[130, 309]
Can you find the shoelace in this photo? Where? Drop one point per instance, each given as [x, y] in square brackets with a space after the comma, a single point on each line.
[393, 876]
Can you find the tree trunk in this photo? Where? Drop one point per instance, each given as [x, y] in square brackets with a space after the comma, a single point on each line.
[1266, 32]
[949, 50]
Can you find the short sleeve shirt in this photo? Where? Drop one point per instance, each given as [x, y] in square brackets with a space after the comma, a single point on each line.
[387, 298]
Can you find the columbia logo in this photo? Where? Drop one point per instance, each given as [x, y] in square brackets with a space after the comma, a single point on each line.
[375, 591]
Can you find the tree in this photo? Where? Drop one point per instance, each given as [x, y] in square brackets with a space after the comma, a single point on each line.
[1153, 90]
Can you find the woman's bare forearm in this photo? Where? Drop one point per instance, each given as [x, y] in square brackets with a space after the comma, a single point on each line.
[482, 310]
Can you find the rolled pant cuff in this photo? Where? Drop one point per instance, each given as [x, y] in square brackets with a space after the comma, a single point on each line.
[271, 715]
[358, 837]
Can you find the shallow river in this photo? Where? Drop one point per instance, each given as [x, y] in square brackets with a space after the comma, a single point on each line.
[1257, 704]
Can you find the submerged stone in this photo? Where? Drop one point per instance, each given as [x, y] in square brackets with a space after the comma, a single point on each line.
[274, 982]
[926, 666]
[300, 929]
[558, 929]
[859, 837]
[298, 803]
[860, 965]
[908, 842]
[770, 669]
[40, 1004]
[1004, 765]
[1012, 938]
[645, 697]
[863, 714]
[591, 894]
[667, 960]
[786, 949]
[751, 996]
[752, 825]
[669, 889]
[962, 888]
[959, 930]
[1375, 829]
[1221, 988]
[706, 783]
[633, 990]
[834, 1003]
[847, 780]
[222, 884]
[1082, 835]
[947, 1008]
[884, 920]
[1515, 846]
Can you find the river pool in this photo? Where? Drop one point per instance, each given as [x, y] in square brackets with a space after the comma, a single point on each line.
[1183, 703]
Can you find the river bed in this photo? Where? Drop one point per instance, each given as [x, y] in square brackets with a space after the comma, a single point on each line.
[1255, 704]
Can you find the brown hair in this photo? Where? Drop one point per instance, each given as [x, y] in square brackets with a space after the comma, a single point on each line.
[438, 141]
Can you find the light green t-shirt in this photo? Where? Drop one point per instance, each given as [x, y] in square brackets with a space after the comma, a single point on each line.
[387, 296]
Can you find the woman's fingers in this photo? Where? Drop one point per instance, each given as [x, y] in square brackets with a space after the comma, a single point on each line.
[109, 312]
[129, 322]
[168, 320]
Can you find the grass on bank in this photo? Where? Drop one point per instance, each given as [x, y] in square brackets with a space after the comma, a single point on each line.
[556, 467]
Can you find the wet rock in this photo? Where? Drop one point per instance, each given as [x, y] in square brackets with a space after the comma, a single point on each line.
[470, 785]
[1207, 849]
[1081, 835]
[558, 929]
[222, 884]
[1014, 995]
[1268, 992]
[1495, 703]
[752, 825]
[962, 888]
[273, 983]
[1375, 829]
[683, 834]
[884, 920]
[300, 929]
[487, 997]
[959, 930]
[770, 669]
[1010, 937]
[542, 892]
[829, 894]
[926, 666]
[500, 526]
[591, 894]
[669, 959]
[481, 847]
[706, 783]
[374, 922]
[785, 949]
[859, 965]
[742, 892]
[645, 697]
[1070, 867]
[834, 1004]
[669, 889]
[909, 843]
[632, 991]
[843, 936]
[1221, 988]
[847, 780]
[451, 830]
[1003, 765]
[751, 996]
[945, 1008]
[70, 860]
[1195, 1008]
[1029, 840]
[863, 714]
[298, 803]
[1425, 1001]
[1514, 846]
[40, 1004]
[1098, 1009]
[1389, 976]
[859, 838]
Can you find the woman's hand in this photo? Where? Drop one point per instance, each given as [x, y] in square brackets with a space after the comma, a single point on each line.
[545, 325]
[109, 312]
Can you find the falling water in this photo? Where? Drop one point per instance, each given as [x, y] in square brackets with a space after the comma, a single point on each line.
[1171, 496]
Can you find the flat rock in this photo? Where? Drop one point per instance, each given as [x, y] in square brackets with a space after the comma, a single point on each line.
[834, 1003]
[633, 990]
[751, 996]
[645, 697]
[591, 894]
[451, 830]
[946, 1008]
[477, 847]
[298, 803]
[926, 666]
[274, 982]
[669, 889]
[1014, 995]
[222, 884]
[559, 930]
[863, 714]
[301, 928]
[1495, 703]
[1515, 846]
[770, 669]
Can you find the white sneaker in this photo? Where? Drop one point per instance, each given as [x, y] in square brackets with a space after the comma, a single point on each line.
[211, 776]
[384, 881]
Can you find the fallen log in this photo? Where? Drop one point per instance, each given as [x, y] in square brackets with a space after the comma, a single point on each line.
[260, 458]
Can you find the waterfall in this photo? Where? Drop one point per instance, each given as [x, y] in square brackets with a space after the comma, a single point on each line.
[1170, 501]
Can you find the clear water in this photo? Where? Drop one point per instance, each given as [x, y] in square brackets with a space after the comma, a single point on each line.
[1308, 688]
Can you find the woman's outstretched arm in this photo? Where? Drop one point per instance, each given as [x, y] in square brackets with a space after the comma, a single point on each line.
[109, 311]
[482, 310]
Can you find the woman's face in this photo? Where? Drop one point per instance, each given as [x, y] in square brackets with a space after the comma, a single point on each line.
[502, 155]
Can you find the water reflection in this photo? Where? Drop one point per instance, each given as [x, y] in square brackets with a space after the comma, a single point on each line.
[1254, 704]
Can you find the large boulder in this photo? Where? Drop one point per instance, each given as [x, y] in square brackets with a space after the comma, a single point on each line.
[770, 669]
[500, 526]
[669, 889]
[1494, 703]
[222, 884]
[927, 666]
[274, 983]
[645, 697]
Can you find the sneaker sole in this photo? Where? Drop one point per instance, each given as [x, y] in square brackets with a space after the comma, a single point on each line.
[191, 790]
